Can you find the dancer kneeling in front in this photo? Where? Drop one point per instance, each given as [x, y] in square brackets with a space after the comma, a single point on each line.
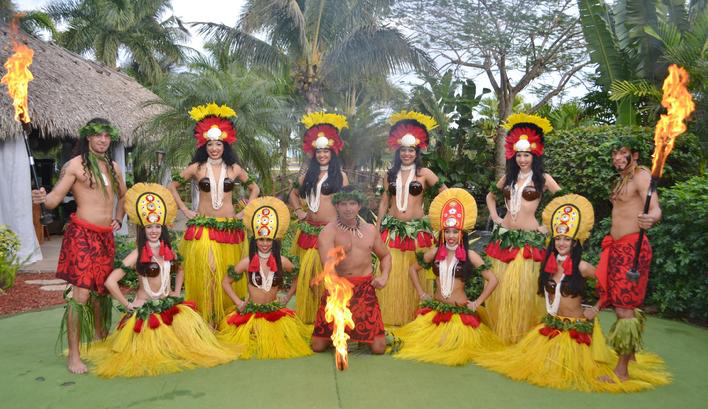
[567, 350]
[447, 329]
[263, 324]
[159, 333]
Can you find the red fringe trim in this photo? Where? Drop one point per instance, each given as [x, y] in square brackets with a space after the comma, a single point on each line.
[234, 236]
[307, 241]
[507, 255]
[424, 239]
[470, 320]
[237, 319]
[579, 337]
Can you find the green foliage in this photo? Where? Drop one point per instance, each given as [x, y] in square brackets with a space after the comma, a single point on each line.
[580, 161]
[678, 282]
[9, 261]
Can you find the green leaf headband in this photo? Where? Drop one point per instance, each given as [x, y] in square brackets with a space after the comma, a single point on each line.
[95, 129]
[355, 195]
[621, 141]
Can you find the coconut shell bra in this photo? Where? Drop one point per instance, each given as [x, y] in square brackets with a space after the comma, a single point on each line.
[529, 194]
[205, 185]
[415, 188]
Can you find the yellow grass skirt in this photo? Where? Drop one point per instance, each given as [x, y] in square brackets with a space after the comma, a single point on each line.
[202, 282]
[281, 337]
[447, 343]
[188, 342]
[398, 299]
[307, 299]
[514, 307]
[563, 363]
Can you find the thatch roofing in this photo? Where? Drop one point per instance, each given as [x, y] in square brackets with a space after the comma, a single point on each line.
[68, 90]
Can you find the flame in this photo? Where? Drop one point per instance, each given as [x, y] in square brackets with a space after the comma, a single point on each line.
[17, 79]
[679, 105]
[336, 310]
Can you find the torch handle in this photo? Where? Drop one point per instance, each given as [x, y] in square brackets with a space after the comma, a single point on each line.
[638, 248]
[46, 216]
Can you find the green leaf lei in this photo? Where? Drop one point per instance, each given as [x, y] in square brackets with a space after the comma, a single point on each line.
[179, 179]
[253, 308]
[442, 307]
[518, 238]
[95, 129]
[231, 271]
[153, 307]
[561, 324]
[307, 228]
[421, 261]
[95, 170]
[493, 189]
[406, 229]
[212, 223]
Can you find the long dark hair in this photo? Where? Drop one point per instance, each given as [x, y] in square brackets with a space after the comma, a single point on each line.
[334, 175]
[393, 172]
[141, 268]
[576, 281]
[275, 250]
[201, 155]
[467, 267]
[512, 172]
[82, 149]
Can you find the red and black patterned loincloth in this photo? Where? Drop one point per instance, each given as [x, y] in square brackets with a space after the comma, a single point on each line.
[616, 259]
[87, 253]
[366, 313]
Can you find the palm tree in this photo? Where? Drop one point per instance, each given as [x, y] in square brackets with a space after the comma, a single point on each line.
[323, 42]
[259, 122]
[32, 21]
[108, 28]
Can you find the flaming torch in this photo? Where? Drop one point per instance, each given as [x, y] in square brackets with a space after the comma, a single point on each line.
[17, 80]
[679, 105]
[337, 310]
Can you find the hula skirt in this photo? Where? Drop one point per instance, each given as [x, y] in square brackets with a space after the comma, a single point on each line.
[446, 338]
[172, 340]
[209, 248]
[570, 353]
[307, 299]
[399, 299]
[277, 334]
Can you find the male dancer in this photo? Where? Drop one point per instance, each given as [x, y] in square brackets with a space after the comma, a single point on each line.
[618, 289]
[88, 250]
[359, 239]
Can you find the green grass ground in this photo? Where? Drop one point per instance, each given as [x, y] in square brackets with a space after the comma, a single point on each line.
[32, 376]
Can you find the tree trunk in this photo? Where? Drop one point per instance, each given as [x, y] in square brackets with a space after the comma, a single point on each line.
[504, 110]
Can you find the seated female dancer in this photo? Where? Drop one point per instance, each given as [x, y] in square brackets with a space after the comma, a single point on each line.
[159, 333]
[567, 349]
[447, 329]
[262, 324]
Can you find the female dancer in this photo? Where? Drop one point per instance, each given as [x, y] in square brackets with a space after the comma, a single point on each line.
[269, 330]
[567, 349]
[516, 248]
[400, 214]
[159, 333]
[447, 330]
[324, 178]
[214, 239]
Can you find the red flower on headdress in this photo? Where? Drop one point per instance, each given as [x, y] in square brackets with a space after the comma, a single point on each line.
[400, 130]
[213, 128]
[334, 142]
[523, 139]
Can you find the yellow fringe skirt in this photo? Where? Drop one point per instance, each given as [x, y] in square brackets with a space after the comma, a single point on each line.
[399, 299]
[163, 343]
[307, 299]
[514, 307]
[457, 341]
[208, 253]
[564, 362]
[272, 335]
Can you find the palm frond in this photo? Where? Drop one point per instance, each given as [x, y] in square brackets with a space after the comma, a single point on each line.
[637, 88]
[602, 43]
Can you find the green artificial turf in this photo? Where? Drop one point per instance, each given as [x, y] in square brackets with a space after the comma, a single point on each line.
[32, 376]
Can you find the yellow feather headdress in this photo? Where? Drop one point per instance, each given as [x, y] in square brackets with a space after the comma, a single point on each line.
[429, 122]
[453, 207]
[540, 122]
[569, 215]
[202, 111]
[150, 203]
[266, 218]
[317, 118]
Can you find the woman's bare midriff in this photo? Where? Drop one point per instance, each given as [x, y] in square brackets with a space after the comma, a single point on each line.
[570, 307]
[326, 213]
[258, 296]
[415, 205]
[525, 219]
[458, 296]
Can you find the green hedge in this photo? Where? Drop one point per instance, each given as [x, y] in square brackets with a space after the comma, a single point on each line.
[9, 261]
[580, 161]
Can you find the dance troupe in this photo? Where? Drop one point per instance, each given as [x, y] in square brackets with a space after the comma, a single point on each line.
[528, 323]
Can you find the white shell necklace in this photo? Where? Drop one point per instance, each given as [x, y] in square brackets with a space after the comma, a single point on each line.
[515, 203]
[401, 190]
[164, 275]
[446, 270]
[313, 203]
[552, 308]
[217, 189]
[265, 273]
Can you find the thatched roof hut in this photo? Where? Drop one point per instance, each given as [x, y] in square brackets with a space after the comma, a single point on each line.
[69, 90]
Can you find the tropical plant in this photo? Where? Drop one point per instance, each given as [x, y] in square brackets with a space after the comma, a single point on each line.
[31, 21]
[107, 28]
[322, 42]
[9, 260]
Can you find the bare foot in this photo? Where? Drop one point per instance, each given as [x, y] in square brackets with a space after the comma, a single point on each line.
[76, 366]
[613, 379]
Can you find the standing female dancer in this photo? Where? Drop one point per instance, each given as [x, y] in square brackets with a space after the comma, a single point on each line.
[400, 215]
[214, 239]
[324, 178]
[516, 248]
